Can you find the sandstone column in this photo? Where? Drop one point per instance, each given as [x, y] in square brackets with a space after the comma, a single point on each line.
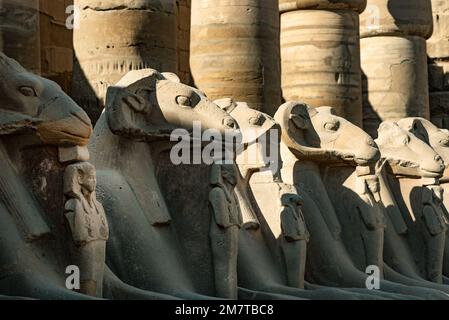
[235, 51]
[116, 36]
[320, 52]
[394, 61]
[184, 41]
[19, 32]
[438, 52]
[57, 41]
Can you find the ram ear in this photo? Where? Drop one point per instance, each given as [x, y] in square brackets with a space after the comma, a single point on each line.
[299, 116]
[127, 105]
[298, 121]
[293, 116]
[294, 119]
[132, 108]
[126, 111]
[171, 76]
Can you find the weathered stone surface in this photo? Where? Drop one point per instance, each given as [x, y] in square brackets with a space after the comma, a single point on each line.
[19, 31]
[438, 44]
[235, 51]
[394, 79]
[397, 18]
[321, 60]
[291, 5]
[115, 37]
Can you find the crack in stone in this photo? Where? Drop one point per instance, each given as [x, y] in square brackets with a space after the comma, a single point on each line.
[127, 8]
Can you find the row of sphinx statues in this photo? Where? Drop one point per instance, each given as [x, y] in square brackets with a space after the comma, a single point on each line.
[110, 201]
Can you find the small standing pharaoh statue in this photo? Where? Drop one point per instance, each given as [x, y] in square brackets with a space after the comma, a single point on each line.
[436, 225]
[88, 225]
[294, 235]
[369, 207]
[224, 230]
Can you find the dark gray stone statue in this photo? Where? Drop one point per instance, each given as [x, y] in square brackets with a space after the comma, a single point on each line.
[224, 230]
[88, 226]
[36, 118]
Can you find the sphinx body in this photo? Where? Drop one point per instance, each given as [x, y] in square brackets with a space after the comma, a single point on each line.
[414, 238]
[157, 243]
[36, 118]
[313, 141]
[438, 139]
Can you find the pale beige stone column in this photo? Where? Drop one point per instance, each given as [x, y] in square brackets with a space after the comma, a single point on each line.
[113, 37]
[396, 79]
[394, 61]
[235, 51]
[438, 52]
[19, 32]
[291, 5]
[184, 10]
[320, 53]
[56, 41]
